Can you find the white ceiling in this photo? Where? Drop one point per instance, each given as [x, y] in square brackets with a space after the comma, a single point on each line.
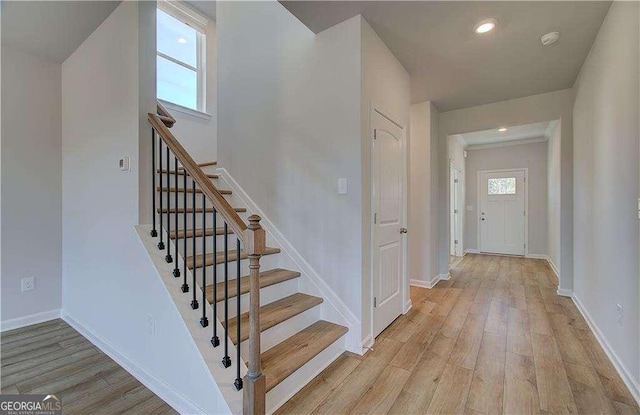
[206, 7]
[51, 29]
[516, 134]
[455, 68]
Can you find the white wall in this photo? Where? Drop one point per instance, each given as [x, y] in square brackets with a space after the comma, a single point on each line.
[422, 235]
[606, 187]
[532, 156]
[199, 135]
[385, 86]
[290, 126]
[553, 196]
[109, 284]
[528, 110]
[31, 184]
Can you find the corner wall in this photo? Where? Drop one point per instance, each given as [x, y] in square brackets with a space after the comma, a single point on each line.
[606, 134]
[554, 197]
[31, 186]
[289, 126]
[110, 287]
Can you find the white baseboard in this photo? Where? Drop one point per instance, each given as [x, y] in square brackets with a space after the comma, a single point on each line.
[471, 251]
[431, 283]
[353, 339]
[625, 374]
[553, 268]
[407, 306]
[563, 292]
[16, 323]
[167, 393]
[537, 256]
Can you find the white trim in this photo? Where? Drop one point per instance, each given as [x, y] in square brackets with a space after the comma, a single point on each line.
[185, 110]
[16, 323]
[554, 268]
[353, 340]
[563, 292]
[526, 205]
[407, 306]
[508, 143]
[167, 393]
[431, 283]
[625, 374]
[471, 251]
[537, 256]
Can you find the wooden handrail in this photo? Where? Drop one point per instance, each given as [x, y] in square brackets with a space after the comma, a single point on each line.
[165, 115]
[223, 207]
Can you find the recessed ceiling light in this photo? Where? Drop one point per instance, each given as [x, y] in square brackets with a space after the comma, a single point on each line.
[502, 129]
[182, 40]
[484, 26]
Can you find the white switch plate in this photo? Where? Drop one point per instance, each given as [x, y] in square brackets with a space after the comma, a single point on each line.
[28, 284]
[619, 314]
[124, 164]
[342, 186]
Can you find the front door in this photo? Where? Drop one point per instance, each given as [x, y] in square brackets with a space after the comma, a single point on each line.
[388, 208]
[502, 212]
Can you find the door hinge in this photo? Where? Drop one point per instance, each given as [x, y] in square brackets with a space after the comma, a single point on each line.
[455, 211]
[375, 218]
[375, 302]
[524, 213]
[455, 180]
[375, 134]
[455, 242]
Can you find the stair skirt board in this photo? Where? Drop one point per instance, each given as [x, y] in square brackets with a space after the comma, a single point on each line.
[286, 389]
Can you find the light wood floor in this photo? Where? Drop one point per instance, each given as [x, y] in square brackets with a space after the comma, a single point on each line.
[53, 358]
[493, 339]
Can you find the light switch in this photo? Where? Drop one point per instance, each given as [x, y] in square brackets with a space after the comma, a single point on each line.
[123, 163]
[342, 186]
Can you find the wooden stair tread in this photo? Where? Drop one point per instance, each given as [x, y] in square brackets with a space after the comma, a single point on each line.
[198, 210]
[182, 173]
[198, 232]
[190, 190]
[267, 278]
[205, 164]
[282, 360]
[231, 256]
[273, 314]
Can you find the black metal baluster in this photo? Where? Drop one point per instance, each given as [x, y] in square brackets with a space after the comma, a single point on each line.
[194, 302]
[176, 270]
[161, 243]
[215, 341]
[185, 286]
[226, 360]
[238, 381]
[168, 258]
[204, 321]
[154, 232]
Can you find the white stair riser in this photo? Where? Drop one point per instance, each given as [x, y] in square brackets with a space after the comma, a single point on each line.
[266, 263]
[267, 295]
[277, 396]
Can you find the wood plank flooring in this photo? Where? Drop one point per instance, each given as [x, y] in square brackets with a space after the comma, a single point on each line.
[494, 339]
[53, 358]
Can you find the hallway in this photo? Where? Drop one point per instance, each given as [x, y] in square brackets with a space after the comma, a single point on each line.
[495, 338]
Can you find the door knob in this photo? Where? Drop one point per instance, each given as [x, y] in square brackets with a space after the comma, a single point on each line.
[403, 230]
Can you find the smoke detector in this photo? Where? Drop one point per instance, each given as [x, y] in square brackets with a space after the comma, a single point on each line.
[550, 38]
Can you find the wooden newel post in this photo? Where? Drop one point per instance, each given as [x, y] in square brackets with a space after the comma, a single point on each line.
[254, 381]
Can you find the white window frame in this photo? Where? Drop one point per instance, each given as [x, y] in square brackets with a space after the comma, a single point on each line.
[191, 18]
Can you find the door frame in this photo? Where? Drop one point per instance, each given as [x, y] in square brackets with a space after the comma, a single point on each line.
[406, 306]
[460, 219]
[526, 205]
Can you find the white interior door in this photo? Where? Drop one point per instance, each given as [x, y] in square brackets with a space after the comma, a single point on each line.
[502, 212]
[388, 207]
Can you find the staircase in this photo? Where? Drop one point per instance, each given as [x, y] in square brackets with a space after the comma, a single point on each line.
[218, 256]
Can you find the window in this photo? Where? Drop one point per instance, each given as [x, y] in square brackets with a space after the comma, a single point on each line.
[502, 186]
[180, 56]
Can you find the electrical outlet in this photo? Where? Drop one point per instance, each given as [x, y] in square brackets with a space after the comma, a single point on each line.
[619, 314]
[151, 324]
[28, 284]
